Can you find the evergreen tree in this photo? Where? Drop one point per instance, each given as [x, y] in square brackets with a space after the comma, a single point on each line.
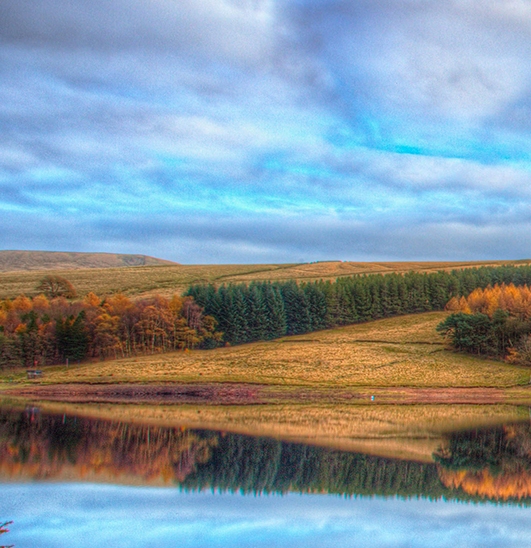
[257, 312]
[362, 299]
[71, 337]
[317, 309]
[275, 318]
[296, 308]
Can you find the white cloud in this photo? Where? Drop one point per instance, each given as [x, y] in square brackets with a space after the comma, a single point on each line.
[454, 59]
[357, 117]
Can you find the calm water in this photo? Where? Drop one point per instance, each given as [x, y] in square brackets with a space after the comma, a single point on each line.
[71, 481]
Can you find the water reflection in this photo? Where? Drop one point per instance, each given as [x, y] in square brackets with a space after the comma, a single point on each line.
[488, 463]
[62, 515]
[482, 464]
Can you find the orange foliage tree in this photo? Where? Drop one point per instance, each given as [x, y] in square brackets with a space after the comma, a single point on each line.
[43, 331]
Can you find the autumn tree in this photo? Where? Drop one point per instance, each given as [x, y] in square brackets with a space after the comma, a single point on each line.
[56, 286]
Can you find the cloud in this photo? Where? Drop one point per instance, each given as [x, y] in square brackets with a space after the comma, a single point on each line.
[457, 59]
[262, 115]
[239, 29]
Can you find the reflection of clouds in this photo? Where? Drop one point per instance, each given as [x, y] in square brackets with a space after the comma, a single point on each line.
[331, 113]
[93, 515]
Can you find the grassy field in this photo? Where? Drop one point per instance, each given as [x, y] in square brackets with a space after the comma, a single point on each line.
[168, 280]
[398, 352]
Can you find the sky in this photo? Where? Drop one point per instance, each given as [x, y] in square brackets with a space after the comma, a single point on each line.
[253, 131]
[59, 515]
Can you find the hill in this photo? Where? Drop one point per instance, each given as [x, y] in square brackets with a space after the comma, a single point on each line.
[404, 351]
[169, 278]
[12, 261]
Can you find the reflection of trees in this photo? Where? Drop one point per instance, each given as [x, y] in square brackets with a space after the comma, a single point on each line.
[43, 446]
[253, 465]
[46, 446]
[482, 464]
[494, 463]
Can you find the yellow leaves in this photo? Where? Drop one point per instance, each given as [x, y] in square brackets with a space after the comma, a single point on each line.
[106, 322]
[41, 303]
[118, 304]
[92, 300]
[458, 305]
[453, 305]
[21, 329]
[516, 485]
[22, 304]
[463, 306]
[510, 298]
[115, 325]
[175, 304]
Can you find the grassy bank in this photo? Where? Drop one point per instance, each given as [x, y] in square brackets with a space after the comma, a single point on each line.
[398, 352]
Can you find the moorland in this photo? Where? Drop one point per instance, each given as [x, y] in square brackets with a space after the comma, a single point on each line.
[371, 383]
[166, 280]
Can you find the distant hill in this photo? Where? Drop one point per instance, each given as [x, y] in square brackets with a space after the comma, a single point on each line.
[11, 261]
[165, 278]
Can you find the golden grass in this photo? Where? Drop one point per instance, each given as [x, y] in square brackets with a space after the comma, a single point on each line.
[167, 280]
[398, 352]
[142, 280]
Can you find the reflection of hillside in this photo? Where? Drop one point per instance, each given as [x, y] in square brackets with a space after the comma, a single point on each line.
[476, 465]
[404, 432]
[493, 464]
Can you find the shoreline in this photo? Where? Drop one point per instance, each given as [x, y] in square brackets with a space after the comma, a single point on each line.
[212, 393]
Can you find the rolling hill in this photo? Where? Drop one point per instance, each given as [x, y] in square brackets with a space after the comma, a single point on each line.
[12, 261]
[154, 276]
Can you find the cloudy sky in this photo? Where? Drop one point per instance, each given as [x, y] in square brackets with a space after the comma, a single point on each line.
[209, 131]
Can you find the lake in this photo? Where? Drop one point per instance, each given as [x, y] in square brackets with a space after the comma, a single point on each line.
[69, 480]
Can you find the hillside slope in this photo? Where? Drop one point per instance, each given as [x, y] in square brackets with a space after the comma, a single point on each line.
[166, 278]
[12, 261]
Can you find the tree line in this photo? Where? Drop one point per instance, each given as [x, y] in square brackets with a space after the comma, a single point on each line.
[250, 465]
[50, 328]
[40, 330]
[494, 321]
[267, 310]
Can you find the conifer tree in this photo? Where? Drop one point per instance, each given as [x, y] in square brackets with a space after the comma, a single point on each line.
[71, 337]
[275, 319]
[296, 308]
[256, 307]
[317, 309]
